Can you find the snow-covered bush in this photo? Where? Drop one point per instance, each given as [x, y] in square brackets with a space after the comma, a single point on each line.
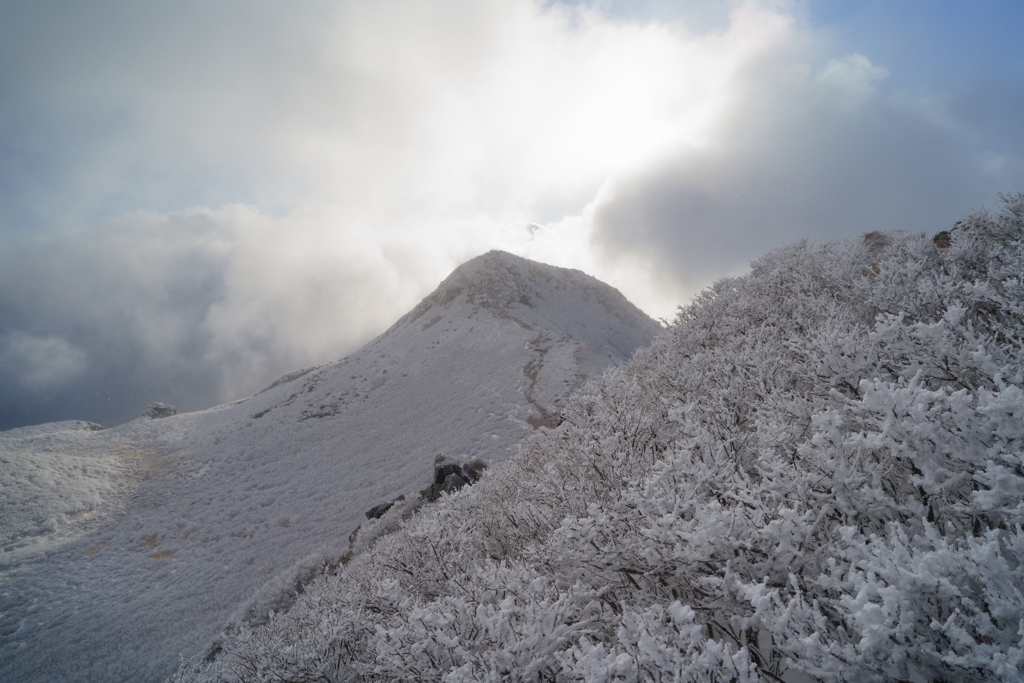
[817, 471]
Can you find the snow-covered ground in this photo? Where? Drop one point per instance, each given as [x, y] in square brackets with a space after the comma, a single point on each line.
[815, 474]
[123, 548]
[49, 480]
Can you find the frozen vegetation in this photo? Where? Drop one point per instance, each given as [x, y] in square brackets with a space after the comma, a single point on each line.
[45, 494]
[815, 474]
[121, 548]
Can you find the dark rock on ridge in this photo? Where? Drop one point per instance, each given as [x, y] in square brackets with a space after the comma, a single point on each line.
[158, 410]
[377, 511]
[449, 477]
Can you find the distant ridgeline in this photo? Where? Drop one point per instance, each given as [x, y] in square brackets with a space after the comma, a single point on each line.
[816, 473]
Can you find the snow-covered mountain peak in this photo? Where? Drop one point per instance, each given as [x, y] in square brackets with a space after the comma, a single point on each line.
[539, 297]
[499, 280]
[219, 503]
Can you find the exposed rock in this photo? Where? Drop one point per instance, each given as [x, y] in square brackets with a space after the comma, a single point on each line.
[449, 477]
[445, 470]
[452, 483]
[158, 410]
[473, 470]
[377, 511]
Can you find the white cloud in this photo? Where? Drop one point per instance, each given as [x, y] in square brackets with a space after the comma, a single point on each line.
[801, 152]
[38, 363]
[341, 157]
[852, 80]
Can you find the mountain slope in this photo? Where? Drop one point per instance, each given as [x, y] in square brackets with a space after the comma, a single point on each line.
[218, 503]
[816, 474]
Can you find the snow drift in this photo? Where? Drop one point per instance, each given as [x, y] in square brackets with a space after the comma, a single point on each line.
[816, 474]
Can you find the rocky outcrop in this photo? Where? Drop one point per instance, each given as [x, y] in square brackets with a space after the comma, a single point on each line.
[377, 511]
[158, 410]
[449, 477]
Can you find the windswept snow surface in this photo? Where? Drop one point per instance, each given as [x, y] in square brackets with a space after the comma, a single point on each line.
[126, 547]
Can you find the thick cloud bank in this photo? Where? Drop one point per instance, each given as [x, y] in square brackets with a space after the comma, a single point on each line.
[816, 152]
[192, 308]
[195, 198]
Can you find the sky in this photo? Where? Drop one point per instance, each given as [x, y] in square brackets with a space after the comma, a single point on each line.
[197, 197]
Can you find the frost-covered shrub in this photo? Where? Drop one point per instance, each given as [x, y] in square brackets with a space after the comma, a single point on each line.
[817, 470]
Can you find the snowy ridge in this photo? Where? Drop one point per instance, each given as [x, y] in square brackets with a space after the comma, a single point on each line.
[817, 474]
[225, 509]
[541, 296]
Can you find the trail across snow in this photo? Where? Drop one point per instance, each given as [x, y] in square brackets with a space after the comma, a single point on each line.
[126, 547]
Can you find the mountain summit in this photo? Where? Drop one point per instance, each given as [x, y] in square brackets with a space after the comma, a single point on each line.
[249, 498]
[541, 296]
[573, 325]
